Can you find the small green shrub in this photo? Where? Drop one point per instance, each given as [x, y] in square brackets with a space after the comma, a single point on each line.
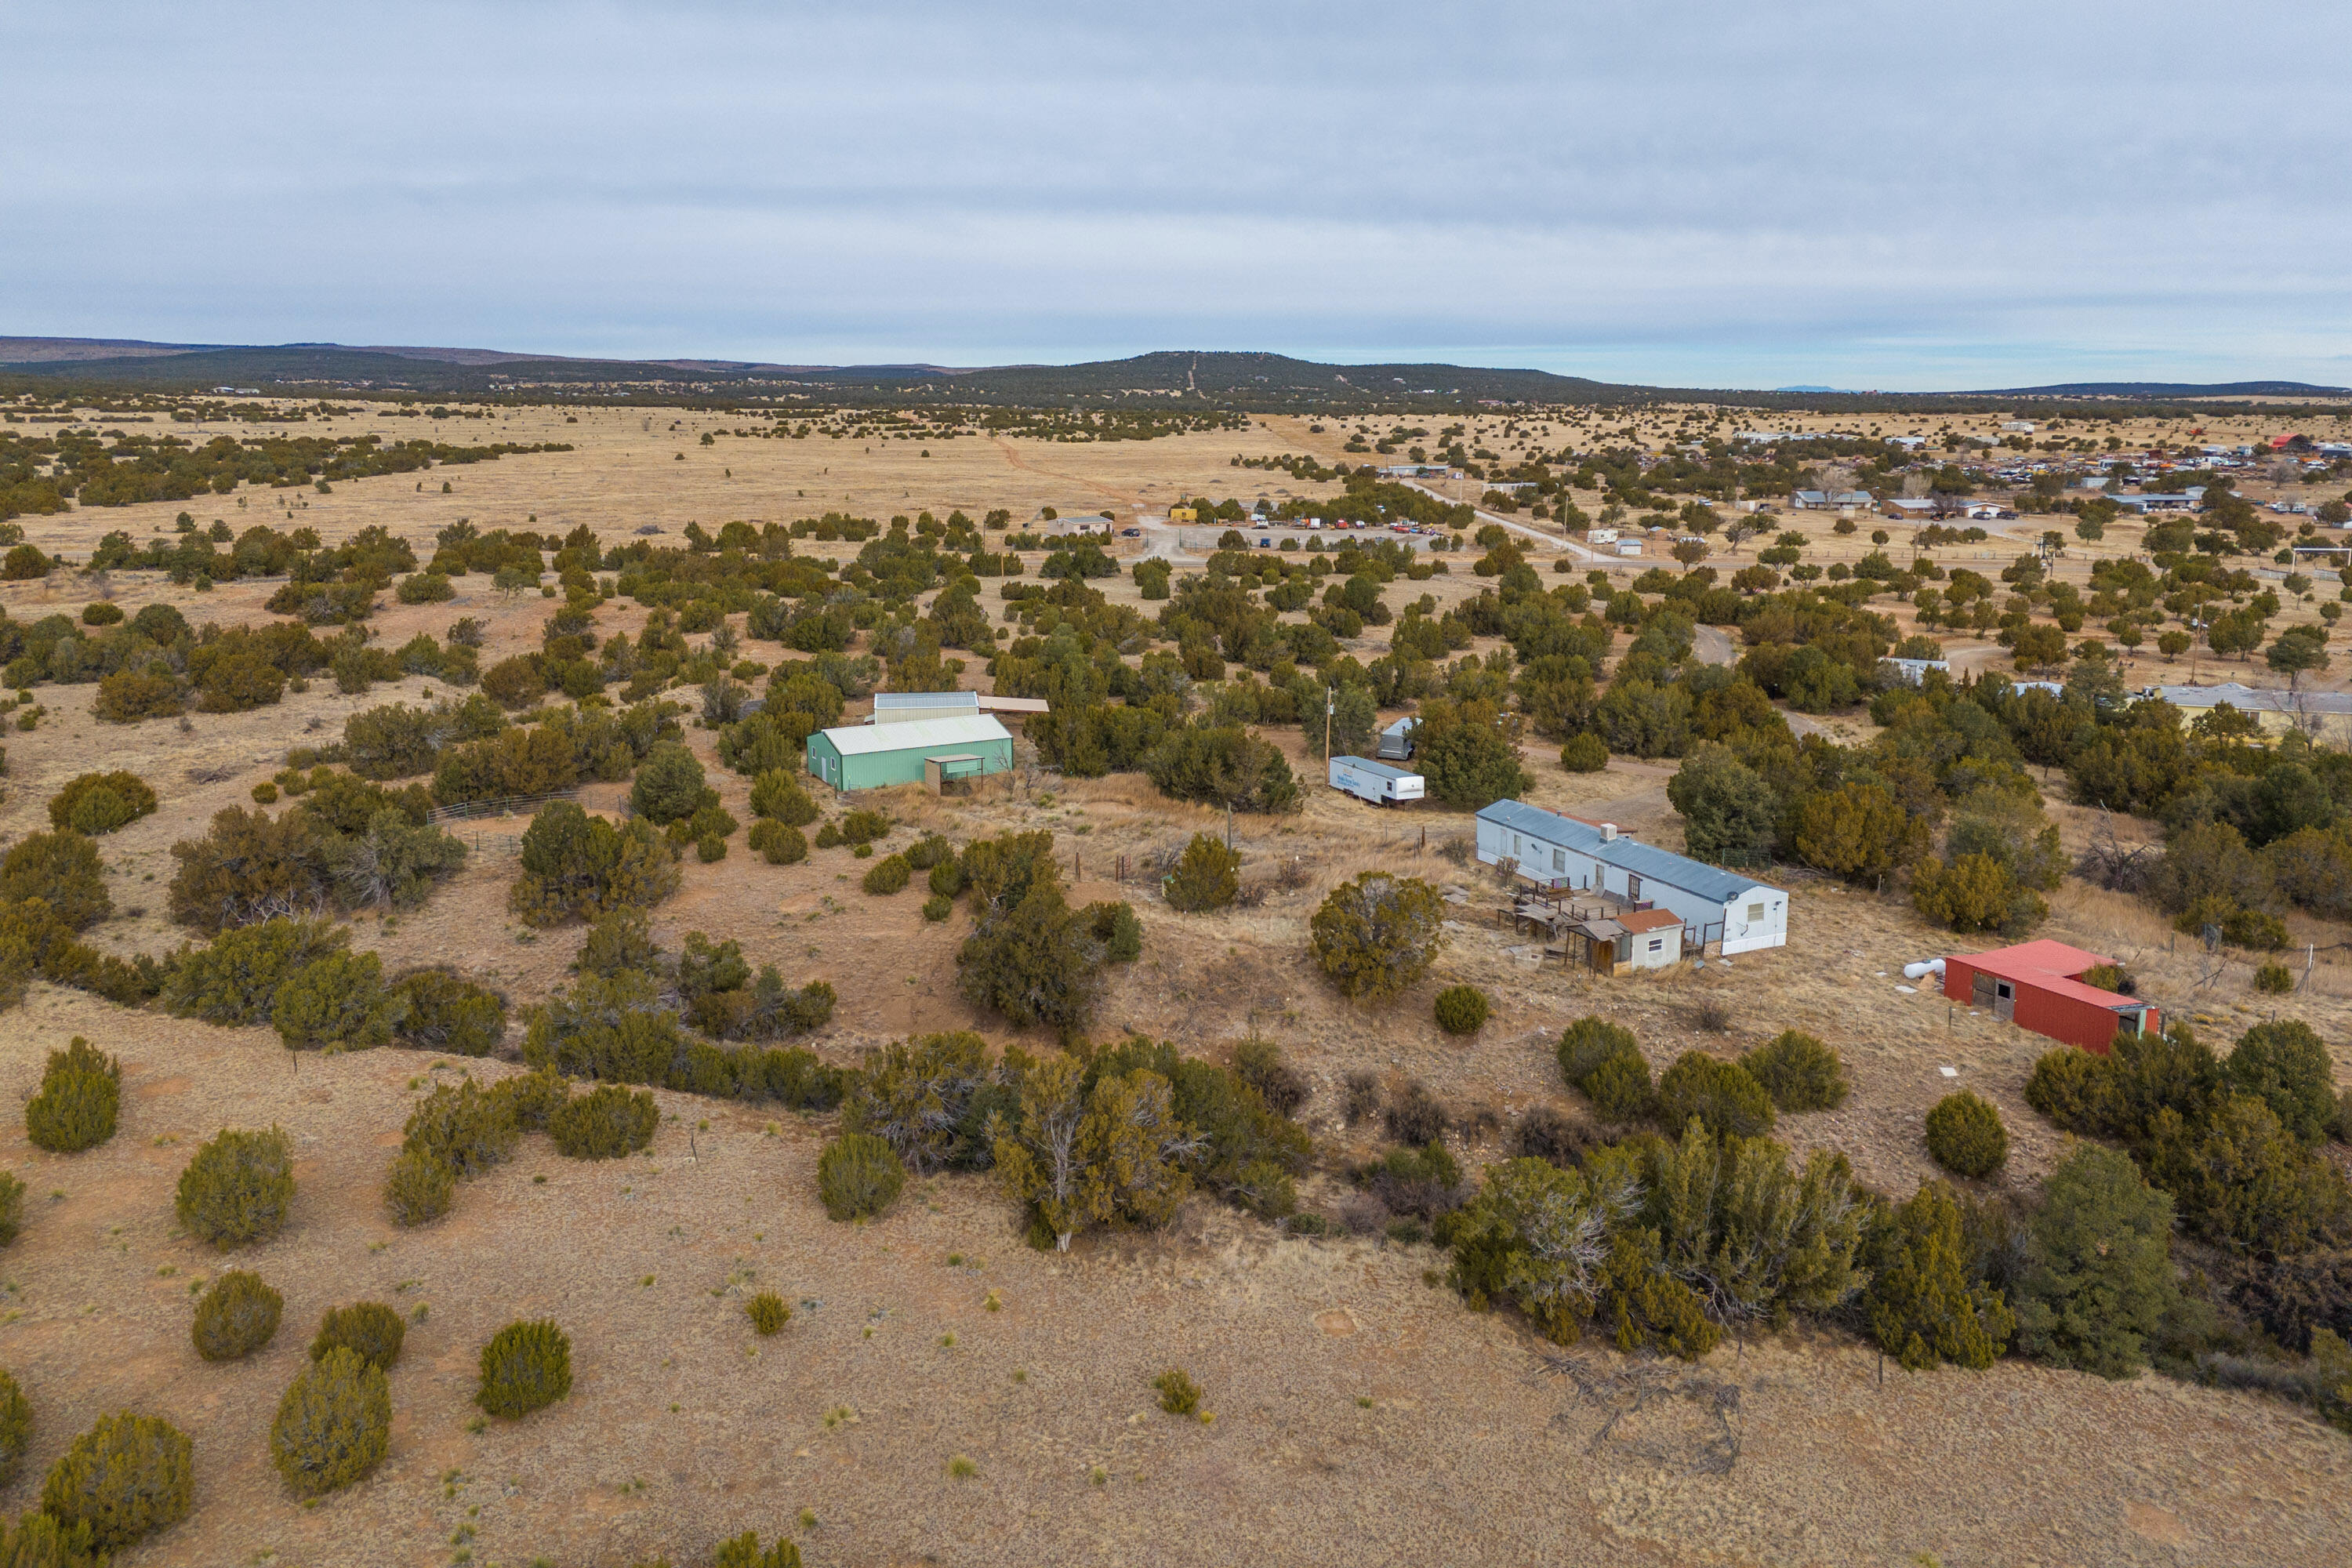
[238, 1188]
[439, 1012]
[928, 852]
[946, 879]
[15, 1431]
[334, 1425]
[12, 1207]
[1965, 1135]
[2286, 1065]
[2273, 979]
[887, 875]
[63, 871]
[463, 1127]
[533, 1098]
[936, 908]
[2069, 1086]
[828, 835]
[1799, 1071]
[1620, 1089]
[335, 1002]
[236, 1316]
[1721, 1094]
[1179, 1394]
[95, 804]
[126, 1477]
[781, 844]
[743, 1551]
[81, 1094]
[777, 795]
[1589, 1042]
[859, 1177]
[1116, 927]
[1207, 877]
[419, 1187]
[1584, 753]
[369, 1329]
[37, 1540]
[236, 979]
[1462, 1009]
[606, 1123]
[768, 1313]
[525, 1367]
[864, 825]
[669, 785]
[711, 848]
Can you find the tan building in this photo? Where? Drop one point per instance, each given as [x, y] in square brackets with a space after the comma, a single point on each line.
[2322, 715]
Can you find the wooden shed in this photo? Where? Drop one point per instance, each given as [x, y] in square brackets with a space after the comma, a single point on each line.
[2038, 985]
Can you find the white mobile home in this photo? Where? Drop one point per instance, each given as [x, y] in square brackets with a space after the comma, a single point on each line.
[1717, 906]
[1376, 782]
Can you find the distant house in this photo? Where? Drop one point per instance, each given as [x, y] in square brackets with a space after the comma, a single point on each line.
[2187, 500]
[1727, 907]
[2016, 427]
[2323, 715]
[2039, 985]
[1915, 670]
[1828, 500]
[1908, 443]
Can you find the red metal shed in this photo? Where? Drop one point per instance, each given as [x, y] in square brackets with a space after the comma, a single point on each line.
[2038, 985]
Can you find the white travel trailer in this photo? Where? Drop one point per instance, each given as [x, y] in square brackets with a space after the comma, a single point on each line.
[1717, 906]
[1376, 782]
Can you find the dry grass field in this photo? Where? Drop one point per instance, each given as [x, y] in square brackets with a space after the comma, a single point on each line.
[1362, 1413]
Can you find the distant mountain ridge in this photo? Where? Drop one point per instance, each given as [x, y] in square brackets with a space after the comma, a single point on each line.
[2170, 389]
[1246, 379]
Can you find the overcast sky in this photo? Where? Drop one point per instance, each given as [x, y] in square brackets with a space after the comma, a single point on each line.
[1687, 192]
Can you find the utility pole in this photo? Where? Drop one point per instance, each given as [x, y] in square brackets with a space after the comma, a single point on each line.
[1330, 706]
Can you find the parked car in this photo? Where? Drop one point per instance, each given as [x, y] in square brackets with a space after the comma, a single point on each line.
[1130, 533]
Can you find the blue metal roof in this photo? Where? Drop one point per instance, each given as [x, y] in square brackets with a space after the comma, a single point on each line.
[1646, 862]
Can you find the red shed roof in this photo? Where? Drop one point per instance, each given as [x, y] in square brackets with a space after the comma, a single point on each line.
[1649, 919]
[2049, 965]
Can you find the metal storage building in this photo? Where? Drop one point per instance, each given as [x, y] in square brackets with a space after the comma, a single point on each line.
[868, 756]
[1554, 851]
[907, 707]
[2038, 985]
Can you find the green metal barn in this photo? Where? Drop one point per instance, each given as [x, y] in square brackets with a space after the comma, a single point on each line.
[921, 750]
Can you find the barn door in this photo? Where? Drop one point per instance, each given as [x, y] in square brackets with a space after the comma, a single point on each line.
[1980, 990]
[2005, 1000]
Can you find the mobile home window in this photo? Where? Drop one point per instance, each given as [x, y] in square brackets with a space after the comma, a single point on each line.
[1755, 911]
[1559, 860]
[1657, 944]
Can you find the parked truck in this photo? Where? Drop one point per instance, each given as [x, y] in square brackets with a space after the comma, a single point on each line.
[1396, 741]
[1376, 782]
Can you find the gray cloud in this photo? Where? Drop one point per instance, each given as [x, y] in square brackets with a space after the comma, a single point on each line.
[1873, 193]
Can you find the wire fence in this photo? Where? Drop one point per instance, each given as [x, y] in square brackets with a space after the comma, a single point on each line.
[503, 806]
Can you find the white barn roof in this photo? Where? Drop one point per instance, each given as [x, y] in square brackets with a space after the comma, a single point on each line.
[864, 740]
